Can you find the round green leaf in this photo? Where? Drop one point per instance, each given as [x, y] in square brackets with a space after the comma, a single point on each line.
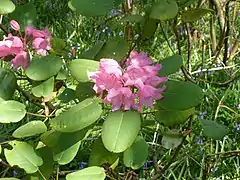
[95, 7]
[9, 179]
[77, 117]
[6, 7]
[135, 156]
[68, 155]
[100, 155]
[11, 111]
[30, 129]
[170, 118]
[25, 15]
[42, 68]
[180, 96]
[93, 173]
[170, 65]
[120, 129]
[115, 48]
[164, 10]
[79, 68]
[171, 139]
[44, 89]
[24, 156]
[213, 129]
[8, 83]
[85, 90]
[192, 15]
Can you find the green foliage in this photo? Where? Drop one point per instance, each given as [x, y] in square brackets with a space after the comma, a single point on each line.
[94, 173]
[24, 156]
[171, 139]
[85, 90]
[100, 155]
[149, 28]
[67, 95]
[171, 118]
[137, 154]
[67, 155]
[77, 117]
[42, 68]
[114, 48]
[85, 65]
[11, 111]
[30, 129]
[185, 95]
[25, 15]
[8, 83]
[133, 18]
[120, 130]
[192, 15]
[94, 7]
[164, 9]
[170, 65]
[6, 7]
[44, 89]
[213, 129]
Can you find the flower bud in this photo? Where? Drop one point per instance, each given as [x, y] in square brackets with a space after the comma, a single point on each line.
[14, 25]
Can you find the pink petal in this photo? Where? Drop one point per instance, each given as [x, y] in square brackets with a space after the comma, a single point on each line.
[14, 25]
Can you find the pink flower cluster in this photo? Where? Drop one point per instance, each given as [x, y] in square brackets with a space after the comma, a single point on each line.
[17, 46]
[131, 87]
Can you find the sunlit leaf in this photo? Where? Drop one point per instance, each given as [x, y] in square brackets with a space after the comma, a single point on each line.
[6, 7]
[120, 130]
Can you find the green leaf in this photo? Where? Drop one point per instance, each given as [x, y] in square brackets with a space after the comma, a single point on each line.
[92, 53]
[8, 83]
[9, 179]
[213, 129]
[67, 95]
[60, 142]
[149, 28]
[48, 163]
[11, 111]
[186, 3]
[170, 65]
[30, 129]
[68, 155]
[58, 46]
[132, 18]
[135, 156]
[6, 7]
[192, 15]
[115, 48]
[85, 90]
[100, 155]
[44, 89]
[25, 15]
[93, 173]
[77, 117]
[171, 118]
[171, 139]
[42, 68]
[95, 7]
[164, 10]
[79, 68]
[24, 156]
[180, 96]
[120, 129]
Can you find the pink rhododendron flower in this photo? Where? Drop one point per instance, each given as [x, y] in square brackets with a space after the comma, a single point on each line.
[21, 60]
[133, 88]
[14, 25]
[121, 97]
[41, 46]
[110, 66]
[29, 30]
[11, 45]
[36, 33]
